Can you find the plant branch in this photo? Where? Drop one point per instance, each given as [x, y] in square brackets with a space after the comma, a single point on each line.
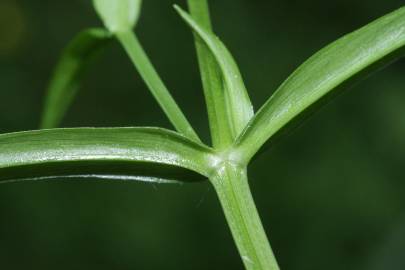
[142, 63]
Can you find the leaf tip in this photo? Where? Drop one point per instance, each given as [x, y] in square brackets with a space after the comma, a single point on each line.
[118, 15]
[181, 12]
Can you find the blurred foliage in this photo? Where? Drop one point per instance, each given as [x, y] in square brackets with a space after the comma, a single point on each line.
[335, 198]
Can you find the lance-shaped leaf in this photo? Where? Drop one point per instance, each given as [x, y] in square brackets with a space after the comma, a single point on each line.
[211, 79]
[118, 15]
[146, 154]
[69, 72]
[237, 102]
[344, 61]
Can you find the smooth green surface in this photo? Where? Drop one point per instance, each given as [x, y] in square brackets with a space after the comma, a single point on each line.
[229, 100]
[116, 153]
[239, 109]
[322, 73]
[211, 79]
[118, 15]
[291, 209]
[231, 184]
[69, 73]
[142, 63]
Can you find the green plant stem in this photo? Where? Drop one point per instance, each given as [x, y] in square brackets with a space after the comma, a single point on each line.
[232, 187]
[211, 79]
[142, 63]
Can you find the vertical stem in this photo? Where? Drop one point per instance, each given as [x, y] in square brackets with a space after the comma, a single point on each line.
[142, 63]
[211, 79]
[231, 185]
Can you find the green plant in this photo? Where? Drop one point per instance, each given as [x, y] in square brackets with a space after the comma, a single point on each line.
[158, 155]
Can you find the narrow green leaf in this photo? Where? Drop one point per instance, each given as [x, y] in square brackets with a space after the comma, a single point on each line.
[239, 107]
[69, 72]
[118, 15]
[352, 56]
[211, 79]
[145, 68]
[147, 154]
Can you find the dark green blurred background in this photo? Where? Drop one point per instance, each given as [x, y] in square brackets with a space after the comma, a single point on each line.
[331, 196]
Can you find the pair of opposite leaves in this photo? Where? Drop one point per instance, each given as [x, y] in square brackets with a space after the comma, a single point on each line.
[342, 61]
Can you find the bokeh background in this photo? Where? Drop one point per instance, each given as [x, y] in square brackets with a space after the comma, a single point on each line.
[331, 195]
